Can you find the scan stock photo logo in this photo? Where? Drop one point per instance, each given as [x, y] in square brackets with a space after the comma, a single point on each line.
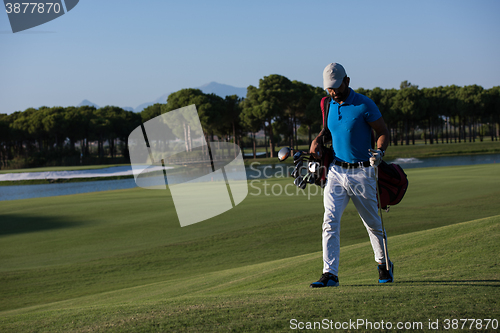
[205, 179]
[26, 15]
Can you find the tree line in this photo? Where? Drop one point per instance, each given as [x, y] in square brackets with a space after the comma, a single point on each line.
[278, 107]
[447, 114]
[64, 135]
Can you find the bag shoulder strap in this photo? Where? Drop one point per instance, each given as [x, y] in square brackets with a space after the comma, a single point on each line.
[325, 108]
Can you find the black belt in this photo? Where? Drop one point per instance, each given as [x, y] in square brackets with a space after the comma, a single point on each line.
[351, 165]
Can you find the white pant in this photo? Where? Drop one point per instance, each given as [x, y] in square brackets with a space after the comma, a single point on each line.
[358, 184]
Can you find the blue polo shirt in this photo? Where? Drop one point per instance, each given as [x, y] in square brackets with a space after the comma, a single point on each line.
[348, 123]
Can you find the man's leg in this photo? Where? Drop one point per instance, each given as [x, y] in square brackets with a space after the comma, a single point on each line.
[335, 201]
[364, 196]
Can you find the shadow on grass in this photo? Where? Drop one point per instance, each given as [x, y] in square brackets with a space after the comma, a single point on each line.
[482, 283]
[485, 283]
[18, 224]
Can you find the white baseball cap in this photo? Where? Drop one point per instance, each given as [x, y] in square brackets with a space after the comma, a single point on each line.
[333, 74]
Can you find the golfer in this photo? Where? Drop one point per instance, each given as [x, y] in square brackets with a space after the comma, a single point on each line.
[351, 175]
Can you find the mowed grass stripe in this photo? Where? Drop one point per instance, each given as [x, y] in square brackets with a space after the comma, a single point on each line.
[435, 278]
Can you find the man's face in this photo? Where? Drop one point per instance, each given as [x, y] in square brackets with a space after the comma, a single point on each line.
[340, 94]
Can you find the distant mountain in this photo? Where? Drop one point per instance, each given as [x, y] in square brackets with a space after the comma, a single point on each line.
[162, 99]
[219, 89]
[143, 106]
[222, 90]
[88, 103]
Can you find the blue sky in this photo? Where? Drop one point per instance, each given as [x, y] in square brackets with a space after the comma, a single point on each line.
[125, 53]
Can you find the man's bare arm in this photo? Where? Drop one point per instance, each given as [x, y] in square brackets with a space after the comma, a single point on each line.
[382, 132]
[315, 148]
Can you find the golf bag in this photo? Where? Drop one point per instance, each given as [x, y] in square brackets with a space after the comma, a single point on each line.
[327, 156]
[313, 167]
[392, 184]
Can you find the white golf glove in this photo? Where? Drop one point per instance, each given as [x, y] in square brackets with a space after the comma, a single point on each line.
[376, 157]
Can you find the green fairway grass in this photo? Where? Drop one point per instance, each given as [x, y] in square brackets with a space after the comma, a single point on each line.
[443, 149]
[268, 296]
[119, 261]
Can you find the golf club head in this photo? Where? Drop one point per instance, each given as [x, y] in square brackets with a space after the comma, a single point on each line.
[307, 178]
[303, 184]
[313, 167]
[297, 169]
[284, 153]
[312, 179]
[296, 161]
[300, 154]
[297, 181]
[296, 156]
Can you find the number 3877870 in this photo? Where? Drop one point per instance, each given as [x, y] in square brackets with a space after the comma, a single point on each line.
[32, 7]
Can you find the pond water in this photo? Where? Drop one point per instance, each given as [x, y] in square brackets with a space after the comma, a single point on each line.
[16, 192]
[255, 171]
[410, 163]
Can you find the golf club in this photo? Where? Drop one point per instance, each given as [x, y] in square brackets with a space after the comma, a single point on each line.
[312, 179]
[303, 182]
[284, 153]
[299, 157]
[381, 220]
[296, 171]
[297, 181]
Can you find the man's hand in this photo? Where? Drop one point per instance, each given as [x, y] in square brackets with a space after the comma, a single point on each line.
[376, 157]
[315, 149]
